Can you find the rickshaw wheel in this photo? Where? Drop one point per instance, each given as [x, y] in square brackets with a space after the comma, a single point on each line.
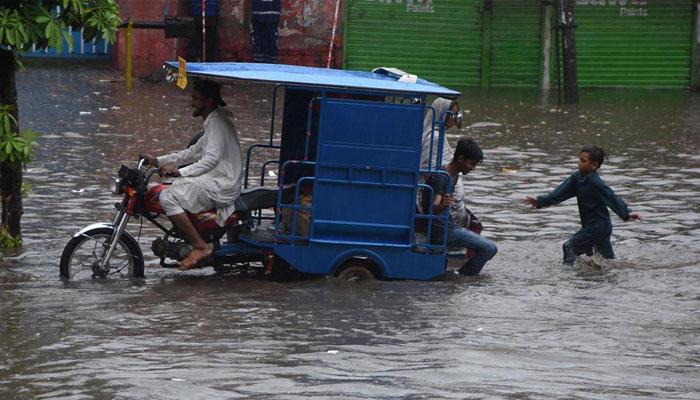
[356, 272]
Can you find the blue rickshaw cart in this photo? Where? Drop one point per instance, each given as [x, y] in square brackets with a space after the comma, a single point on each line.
[350, 147]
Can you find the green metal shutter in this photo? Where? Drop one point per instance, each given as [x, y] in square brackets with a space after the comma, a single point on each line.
[635, 44]
[438, 40]
[516, 44]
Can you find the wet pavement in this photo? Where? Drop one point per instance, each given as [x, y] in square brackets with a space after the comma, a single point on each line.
[528, 328]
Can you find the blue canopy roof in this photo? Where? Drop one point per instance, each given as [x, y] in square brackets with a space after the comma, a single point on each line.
[314, 77]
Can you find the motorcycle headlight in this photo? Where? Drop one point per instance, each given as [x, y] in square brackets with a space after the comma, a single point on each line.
[115, 186]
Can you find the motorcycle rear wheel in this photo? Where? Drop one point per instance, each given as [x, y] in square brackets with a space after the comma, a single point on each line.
[83, 251]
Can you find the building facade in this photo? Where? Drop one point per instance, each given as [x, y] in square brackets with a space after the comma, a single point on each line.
[462, 43]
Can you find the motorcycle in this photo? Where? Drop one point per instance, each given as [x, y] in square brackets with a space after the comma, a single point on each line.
[104, 249]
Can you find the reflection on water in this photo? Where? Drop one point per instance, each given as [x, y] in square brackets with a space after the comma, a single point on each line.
[528, 328]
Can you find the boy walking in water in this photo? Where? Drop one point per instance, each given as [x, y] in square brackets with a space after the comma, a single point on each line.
[593, 197]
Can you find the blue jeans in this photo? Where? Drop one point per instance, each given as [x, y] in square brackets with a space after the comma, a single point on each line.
[595, 237]
[461, 237]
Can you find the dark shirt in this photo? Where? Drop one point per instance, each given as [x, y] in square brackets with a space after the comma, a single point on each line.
[441, 185]
[593, 197]
[265, 11]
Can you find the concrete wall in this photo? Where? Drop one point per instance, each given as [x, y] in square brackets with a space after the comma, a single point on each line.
[305, 31]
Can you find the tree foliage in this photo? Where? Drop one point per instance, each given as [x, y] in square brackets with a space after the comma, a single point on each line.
[44, 24]
[14, 148]
[40, 24]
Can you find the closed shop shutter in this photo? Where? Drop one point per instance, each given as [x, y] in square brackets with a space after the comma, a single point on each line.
[635, 44]
[516, 43]
[438, 40]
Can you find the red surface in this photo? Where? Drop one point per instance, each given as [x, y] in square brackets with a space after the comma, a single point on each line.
[149, 46]
[305, 31]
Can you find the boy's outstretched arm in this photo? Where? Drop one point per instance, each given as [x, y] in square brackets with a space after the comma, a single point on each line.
[565, 191]
[618, 206]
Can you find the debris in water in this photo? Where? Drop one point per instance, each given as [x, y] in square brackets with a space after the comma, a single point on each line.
[510, 171]
[484, 124]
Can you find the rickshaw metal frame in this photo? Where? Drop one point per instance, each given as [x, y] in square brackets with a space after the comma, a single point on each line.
[300, 250]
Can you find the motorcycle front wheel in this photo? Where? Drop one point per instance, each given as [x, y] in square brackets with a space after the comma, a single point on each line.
[84, 252]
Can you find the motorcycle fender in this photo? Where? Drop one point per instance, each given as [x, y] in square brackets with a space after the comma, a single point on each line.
[108, 225]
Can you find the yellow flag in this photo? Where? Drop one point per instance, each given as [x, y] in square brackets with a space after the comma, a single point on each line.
[182, 73]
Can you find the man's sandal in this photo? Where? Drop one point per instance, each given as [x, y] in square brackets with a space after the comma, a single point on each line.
[193, 259]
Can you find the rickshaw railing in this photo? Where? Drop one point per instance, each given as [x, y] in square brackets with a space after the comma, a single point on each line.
[309, 118]
[292, 237]
[441, 135]
[270, 145]
[274, 107]
[247, 161]
[431, 217]
[264, 166]
[258, 214]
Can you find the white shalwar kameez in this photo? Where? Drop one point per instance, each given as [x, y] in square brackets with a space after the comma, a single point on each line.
[213, 180]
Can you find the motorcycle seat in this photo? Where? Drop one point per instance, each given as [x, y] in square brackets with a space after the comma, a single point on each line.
[259, 197]
[254, 198]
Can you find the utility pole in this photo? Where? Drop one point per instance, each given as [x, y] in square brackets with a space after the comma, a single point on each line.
[569, 52]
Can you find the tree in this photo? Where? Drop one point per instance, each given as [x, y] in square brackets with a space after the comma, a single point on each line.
[40, 23]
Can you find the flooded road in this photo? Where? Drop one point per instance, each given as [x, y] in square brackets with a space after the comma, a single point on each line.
[528, 328]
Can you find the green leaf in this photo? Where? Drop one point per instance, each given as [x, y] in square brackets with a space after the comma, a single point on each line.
[10, 36]
[8, 147]
[23, 32]
[69, 40]
[42, 19]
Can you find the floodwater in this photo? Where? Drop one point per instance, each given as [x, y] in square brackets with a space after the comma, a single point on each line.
[528, 328]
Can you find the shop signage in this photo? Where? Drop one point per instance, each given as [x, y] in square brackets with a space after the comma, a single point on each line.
[415, 6]
[628, 8]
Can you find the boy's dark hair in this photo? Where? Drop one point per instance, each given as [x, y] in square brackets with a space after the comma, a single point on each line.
[209, 90]
[595, 153]
[469, 149]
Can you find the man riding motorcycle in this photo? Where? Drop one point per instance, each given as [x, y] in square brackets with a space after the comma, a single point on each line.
[212, 180]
